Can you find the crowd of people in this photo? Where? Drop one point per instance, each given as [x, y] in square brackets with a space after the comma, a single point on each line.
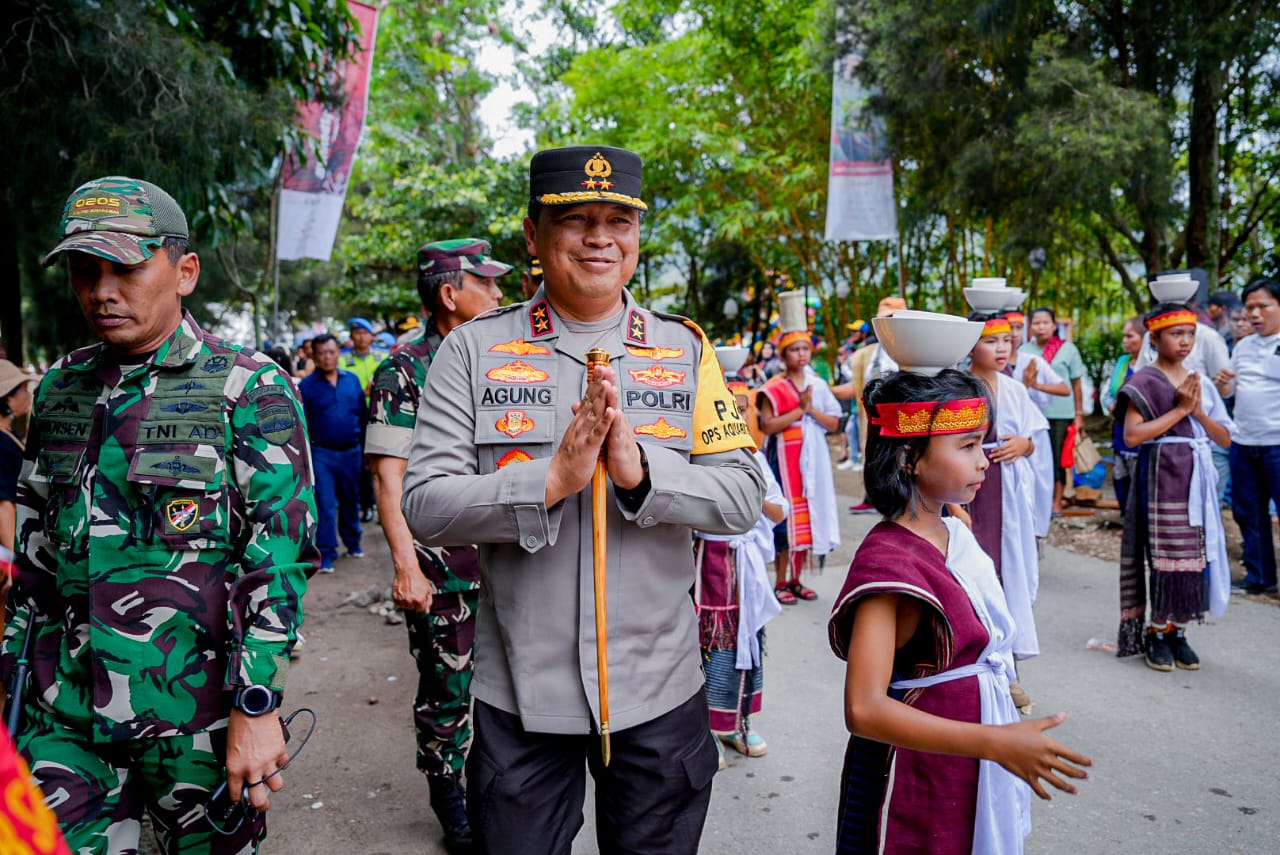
[591, 520]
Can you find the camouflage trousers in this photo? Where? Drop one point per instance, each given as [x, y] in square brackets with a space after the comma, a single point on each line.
[441, 642]
[99, 791]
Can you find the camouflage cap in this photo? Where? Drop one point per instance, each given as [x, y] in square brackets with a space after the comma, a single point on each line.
[466, 254]
[119, 219]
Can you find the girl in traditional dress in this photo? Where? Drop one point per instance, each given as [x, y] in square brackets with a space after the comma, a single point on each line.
[797, 410]
[1002, 513]
[939, 760]
[1173, 527]
[734, 598]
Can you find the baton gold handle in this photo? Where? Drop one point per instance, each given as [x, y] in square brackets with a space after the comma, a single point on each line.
[600, 555]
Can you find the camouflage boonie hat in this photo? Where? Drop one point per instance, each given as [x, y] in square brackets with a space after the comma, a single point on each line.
[466, 254]
[119, 219]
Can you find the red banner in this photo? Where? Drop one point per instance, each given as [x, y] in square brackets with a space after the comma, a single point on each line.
[315, 188]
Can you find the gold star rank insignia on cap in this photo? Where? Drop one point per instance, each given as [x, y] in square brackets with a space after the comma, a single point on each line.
[540, 319]
[636, 328]
[598, 171]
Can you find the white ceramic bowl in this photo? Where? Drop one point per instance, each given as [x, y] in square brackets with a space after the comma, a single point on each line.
[987, 299]
[1173, 289]
[989, 283]
[732, 358]
[1016, 297]
[927, 342]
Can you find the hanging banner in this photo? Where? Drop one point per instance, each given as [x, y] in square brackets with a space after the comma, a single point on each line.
[860, 202]
[314, 189]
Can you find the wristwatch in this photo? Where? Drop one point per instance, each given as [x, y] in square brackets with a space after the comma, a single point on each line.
[254, 701]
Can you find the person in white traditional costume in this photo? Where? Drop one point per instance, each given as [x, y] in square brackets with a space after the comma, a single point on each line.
[1003, 514]
[797, 410]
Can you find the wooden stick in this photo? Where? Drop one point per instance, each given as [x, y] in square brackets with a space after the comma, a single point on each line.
[599, 544]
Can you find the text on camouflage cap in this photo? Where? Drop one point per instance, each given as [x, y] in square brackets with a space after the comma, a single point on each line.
[120, 219]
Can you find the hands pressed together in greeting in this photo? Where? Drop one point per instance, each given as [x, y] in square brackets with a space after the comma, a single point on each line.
[598, 422]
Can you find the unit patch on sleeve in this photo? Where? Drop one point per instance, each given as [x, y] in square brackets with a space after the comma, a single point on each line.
[717, 423]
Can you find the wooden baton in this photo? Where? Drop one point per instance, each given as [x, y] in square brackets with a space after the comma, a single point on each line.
[599, 545]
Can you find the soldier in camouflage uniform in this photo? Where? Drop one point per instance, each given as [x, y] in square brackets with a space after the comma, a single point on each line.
[166, 522]
[437, 592]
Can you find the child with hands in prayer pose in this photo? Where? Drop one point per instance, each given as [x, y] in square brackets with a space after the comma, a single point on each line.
[939, 760]
[1173, 528]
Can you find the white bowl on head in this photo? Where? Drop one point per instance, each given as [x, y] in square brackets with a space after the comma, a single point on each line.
[732, 357]
[927, 342]
[987, 299]
[1016, 297]
[989, 283]
[1173, 289]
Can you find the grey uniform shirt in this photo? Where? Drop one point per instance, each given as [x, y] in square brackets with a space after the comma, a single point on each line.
[502, 387]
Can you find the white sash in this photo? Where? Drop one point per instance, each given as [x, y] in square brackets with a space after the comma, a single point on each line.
[1003, 817]
[757, 604]
[1203, 512]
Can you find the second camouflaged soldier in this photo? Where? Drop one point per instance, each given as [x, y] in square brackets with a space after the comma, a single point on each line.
[166, 524]
[437, 589]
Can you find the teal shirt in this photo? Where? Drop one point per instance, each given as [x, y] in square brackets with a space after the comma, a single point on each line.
[1070, 366]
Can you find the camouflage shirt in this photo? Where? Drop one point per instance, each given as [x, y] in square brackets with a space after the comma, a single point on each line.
[166, 527]
[393, 411]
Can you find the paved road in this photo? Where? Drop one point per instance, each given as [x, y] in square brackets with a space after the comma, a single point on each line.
[1185, 762]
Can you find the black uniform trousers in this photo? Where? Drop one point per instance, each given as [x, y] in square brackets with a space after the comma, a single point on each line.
[525, 790]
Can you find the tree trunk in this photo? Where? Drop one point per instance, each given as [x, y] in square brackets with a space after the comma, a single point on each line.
[1202, 235]
[11, 309]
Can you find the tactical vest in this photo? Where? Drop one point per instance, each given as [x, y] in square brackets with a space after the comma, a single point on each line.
[176, 438]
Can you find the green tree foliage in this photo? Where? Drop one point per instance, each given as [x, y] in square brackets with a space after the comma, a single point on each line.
[1130, 136]
[194, 96]
[423, 174]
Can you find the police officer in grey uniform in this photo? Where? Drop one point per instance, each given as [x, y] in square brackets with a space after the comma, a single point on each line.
[505, 460]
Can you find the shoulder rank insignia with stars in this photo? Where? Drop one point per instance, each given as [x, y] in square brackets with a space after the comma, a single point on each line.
[636, 331]
[540, 319]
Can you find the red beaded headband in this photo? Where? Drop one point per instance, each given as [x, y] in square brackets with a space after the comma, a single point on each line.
[996, 326]
[789, 338]
[1172, 319]
[929, 418]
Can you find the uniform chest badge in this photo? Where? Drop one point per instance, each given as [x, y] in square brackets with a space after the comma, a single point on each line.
[514, 423]
[181, 513]
[520, 347]
[517, 372]
[515, 455]
[661, 429]
[656, 376]
[657, 354]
